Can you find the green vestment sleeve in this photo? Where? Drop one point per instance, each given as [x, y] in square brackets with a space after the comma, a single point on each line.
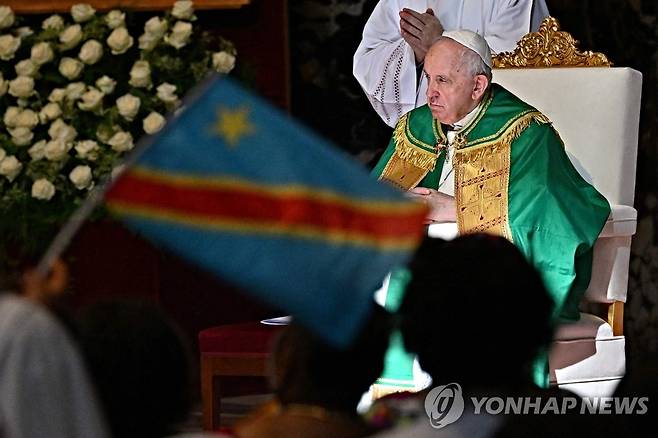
[555, 215]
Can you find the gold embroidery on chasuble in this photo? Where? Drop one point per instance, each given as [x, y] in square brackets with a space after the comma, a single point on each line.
[482, 178]
[481, 181]
[412, 160]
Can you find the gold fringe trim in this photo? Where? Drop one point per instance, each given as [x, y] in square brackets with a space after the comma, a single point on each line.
[476, 153]
[409, 152]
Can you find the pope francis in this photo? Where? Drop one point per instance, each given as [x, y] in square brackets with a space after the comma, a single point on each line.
[478, 155]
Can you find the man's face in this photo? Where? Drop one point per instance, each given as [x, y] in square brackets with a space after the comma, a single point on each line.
[450, 90]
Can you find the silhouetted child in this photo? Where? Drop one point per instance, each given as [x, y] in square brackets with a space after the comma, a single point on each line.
[318, 387]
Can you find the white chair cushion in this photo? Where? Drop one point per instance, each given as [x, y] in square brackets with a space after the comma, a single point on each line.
[587, 360]
[587, 327]
[586, 351]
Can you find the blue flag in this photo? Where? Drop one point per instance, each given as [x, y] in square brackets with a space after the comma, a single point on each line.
[242, 190]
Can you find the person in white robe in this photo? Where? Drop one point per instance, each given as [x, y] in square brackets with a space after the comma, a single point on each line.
[45, 390]
[388, 61]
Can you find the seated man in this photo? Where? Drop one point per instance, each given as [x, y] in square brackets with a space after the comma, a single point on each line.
[478, 155]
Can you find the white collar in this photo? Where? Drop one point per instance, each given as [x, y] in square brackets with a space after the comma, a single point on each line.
[459, 124]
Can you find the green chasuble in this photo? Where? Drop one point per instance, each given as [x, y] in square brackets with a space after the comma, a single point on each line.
[512, 178]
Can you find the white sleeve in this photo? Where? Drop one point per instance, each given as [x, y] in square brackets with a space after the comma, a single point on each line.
[384, 64]
[511, 20]
[539, 12]
[49, 393]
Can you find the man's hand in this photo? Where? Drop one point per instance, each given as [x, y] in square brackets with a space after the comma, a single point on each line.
[420, 31]
[43, 289]
[443, 208]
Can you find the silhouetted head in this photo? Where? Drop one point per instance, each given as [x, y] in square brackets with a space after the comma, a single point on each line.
[475, 311]
[140, 365]
[309, 371]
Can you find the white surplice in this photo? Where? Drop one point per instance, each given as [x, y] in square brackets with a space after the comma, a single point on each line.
[385, 66]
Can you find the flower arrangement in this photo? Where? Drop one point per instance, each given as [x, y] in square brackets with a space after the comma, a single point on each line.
[76, 93]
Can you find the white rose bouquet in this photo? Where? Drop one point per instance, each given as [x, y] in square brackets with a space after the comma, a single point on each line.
[76, 94]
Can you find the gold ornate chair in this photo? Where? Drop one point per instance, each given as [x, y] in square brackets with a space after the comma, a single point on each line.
[596, 109]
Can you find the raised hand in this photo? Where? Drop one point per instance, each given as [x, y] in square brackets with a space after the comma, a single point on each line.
[420, 31]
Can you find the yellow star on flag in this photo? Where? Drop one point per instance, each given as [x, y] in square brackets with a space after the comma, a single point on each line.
[233, 124]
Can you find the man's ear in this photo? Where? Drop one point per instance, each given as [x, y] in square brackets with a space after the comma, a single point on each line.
[481, 82]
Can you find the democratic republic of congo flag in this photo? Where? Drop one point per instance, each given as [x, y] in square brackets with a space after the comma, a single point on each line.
[242, 190]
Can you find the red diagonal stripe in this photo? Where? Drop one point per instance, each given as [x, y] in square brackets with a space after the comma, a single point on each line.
[250, 205]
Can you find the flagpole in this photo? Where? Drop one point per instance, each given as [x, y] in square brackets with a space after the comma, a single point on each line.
[64, 237]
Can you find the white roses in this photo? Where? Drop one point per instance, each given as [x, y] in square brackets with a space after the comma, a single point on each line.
[6, 17]
[60, 130]
[140, 75]
[21, 136]
[119, 41]
[82, 90]
[10, 116]
[156, 27]
[70, 37]
[106, 84]
[25, 118]
[179, 35]
[4, 85]
[121, 141]
[167, 93]
[41, 53]
[223, 62]
[38, 150]
[87, 150]
[43, 189]
[56, 150]
[53, 22]
[70, 68]
[82, 12]
[50, 111]
[128, 106]
[57, 95]
[26, 67]
[153, 122]
[21, 87]
[90, 52]
[115, 19]
[74, 91]
[8, 46]
[183, 10]
[91, 100]
[10, 167]
[154, 30]
[81, 178]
